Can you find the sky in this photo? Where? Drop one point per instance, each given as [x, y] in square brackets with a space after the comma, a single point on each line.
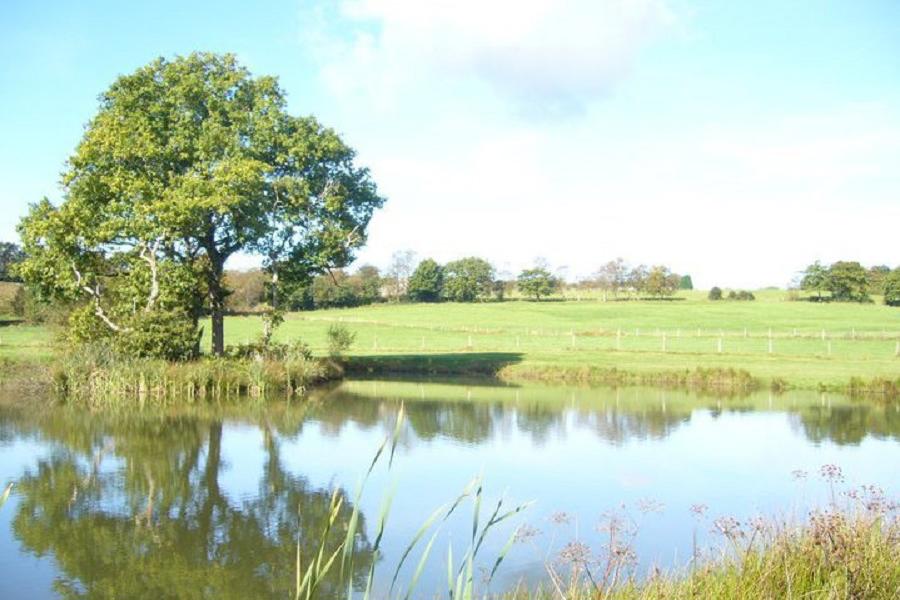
[734, 141]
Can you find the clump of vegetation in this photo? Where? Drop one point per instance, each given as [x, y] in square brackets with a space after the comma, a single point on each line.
[741, 295]
[715, 293]
[339, 339]
[97, 376]
[849, 281]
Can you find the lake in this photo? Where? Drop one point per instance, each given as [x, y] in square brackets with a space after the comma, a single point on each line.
[211, 502]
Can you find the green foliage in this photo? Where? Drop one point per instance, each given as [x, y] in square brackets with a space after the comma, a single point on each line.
[815, 279]
[10, 255]
[685, 283]
[891, 288]
[340, 339]
[537, 283]
[715, 293]
[847, 281]
[339, 289]
[169, 335]
[426, 282]
[742, 295]
[660, 281]
[186, 163]
[876, 276]
[247, 290]
[468, 279]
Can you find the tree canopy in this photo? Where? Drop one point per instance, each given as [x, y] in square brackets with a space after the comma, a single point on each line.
[187, 162]
[537, 283]
[847, 281]
[426, 282]
[468, 279]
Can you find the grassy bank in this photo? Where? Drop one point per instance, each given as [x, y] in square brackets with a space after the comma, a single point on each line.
[832, 556]
[769, 343]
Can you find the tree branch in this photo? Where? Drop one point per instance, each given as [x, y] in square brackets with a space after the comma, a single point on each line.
[149, 256]
[95, 294]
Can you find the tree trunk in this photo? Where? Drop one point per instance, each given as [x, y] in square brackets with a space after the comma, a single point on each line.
[217, 307]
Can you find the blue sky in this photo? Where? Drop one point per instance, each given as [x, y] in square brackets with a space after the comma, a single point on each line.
[736, 141]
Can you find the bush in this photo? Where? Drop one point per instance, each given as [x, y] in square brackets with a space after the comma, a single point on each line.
[295, 350]
[715, 293]
[167, 335]
[339, 339]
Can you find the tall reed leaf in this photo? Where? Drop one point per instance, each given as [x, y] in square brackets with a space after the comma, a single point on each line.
[5, 496]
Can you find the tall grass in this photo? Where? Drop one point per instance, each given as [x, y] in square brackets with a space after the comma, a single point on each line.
[461, 578]
[834, 555]
[97, 378]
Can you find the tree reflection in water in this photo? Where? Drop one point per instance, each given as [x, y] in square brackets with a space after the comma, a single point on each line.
[134, 509]
[132, 506]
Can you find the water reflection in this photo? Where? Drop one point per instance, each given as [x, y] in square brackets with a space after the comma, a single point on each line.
[146, 505]
[474, 413]
[134, 508]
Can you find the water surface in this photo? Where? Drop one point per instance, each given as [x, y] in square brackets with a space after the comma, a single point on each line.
[211, 502]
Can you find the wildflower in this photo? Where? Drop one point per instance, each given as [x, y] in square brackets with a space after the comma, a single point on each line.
[699, 510]
[831, 473]
[576, 553]
[560, 518]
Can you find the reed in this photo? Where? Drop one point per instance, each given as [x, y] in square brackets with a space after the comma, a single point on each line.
[95, 378]
[460, 574]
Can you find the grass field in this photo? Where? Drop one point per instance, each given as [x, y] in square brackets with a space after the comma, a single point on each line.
[808, 345]
[811, 343]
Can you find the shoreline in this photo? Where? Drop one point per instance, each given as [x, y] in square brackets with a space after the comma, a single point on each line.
[216, 378]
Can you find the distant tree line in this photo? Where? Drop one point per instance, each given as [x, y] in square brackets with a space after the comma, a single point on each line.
[616, 279]
[849, 281]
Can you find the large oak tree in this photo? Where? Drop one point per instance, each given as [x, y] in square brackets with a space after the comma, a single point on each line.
[188, 162]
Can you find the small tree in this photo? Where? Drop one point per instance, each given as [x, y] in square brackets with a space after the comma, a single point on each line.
[815, 279]
[715, 293]
[891, 285]
[468, 279]
[612, 277]
[339, 339]
[537, 283]
[398, 274]
[660, 282]
[426, 282]
[685, 283]
[637, 279]
[847, 282]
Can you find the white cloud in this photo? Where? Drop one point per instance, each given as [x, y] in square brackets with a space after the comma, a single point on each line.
[546, 56]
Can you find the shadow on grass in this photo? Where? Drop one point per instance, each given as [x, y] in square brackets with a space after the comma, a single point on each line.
[475, 364]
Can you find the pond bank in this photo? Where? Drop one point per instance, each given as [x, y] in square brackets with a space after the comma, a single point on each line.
[506, 367]
[97, 381]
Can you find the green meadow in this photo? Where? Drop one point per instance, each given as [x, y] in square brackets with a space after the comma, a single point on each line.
[805, 344]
